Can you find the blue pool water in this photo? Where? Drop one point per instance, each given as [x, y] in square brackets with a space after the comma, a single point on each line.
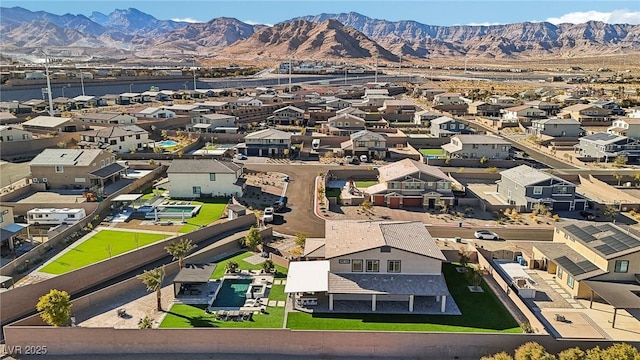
[167, 143]
[232, 293]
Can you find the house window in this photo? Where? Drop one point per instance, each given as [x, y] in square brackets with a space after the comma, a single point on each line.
[361, 144]
[356, 265]
[537, 190]
[344, 261]
[373, 265]
[59, 169]
[346, 124]
[138, 137]
[197, 190]
[622, 266]
[570, 281]
[385, 249]
[212, 177]
[560, 273]
[562, 190]
[393, 266]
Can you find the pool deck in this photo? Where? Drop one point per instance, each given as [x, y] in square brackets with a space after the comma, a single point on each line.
[257, 279]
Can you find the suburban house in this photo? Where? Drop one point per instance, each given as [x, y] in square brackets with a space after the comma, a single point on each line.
[248, 101]
[288, 115]
[625, 127]
[549, 107]
[608, 146]
[555, 127]
[585, 253]
[424, 116]
[107, 118]
[153, 112]
[337, 104]
[522, 112]
[54, 124]
[117, 139]
[198, 178]
[585, 113]
[634, 112]
[75, 168]
[212, 123]
[398, 110]
[343, 125]
[14, 133]
[611, 106]
[525, 186]
[267, 142]
[447, 99]
[477, 147]
[503, 100]
[445, 126]
[88, 101]
[373, 266]
[352, 111]
[10, 231]
[366, 142]
[132, 98]
[481, 108]
[410, 183]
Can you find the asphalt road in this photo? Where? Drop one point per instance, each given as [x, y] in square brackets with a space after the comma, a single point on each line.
[522, 234]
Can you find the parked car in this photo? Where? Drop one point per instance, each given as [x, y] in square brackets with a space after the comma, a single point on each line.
[348, 159]
[486, 235]
[363, 158]
[587, 215]
[267, 216]
[240, 157]
[280, 204]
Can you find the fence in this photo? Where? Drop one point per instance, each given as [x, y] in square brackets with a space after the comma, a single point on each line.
[25, 150]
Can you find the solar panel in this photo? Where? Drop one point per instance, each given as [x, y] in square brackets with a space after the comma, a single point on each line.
[579, 268]
[605, 249]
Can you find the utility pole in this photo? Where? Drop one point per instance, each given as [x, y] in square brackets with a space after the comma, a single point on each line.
[194, 75]
[289, 75]
[82, 81]
[46, 67]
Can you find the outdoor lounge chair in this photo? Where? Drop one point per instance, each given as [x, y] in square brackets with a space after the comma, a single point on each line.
[221, 315]
[560, 318]
[247, 316]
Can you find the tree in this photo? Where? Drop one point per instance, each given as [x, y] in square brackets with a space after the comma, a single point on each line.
[475, 277]
[620, 351]
[574, 353]
[180, 249]
[231, 267]
[153, 280]
[484, 160]
[636, 178]
[55, 307]
[499, 356]
[267, 266]
[610, 212]
[253, 238]
[444, 206]
[618, 177]
[366, 206]
[164, 134]
[532, 351]
[301, 238]
[620, 161]
[464, 258]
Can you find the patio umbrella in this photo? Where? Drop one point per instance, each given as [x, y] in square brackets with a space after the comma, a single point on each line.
[183, 216]
[155, 213]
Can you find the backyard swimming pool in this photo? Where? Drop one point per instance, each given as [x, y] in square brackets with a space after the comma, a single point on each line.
[232, 293]
[167, 143]
[172, 211]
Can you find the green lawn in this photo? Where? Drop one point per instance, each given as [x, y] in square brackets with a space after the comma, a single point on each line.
[432, 152]
[243, 265]
[94, 249]
[481, 312]
[191, 316]
[210, 211]
[365, 184]
[332, 192]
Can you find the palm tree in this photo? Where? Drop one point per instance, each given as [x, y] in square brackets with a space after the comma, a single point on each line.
[180, 249]
[153, 280]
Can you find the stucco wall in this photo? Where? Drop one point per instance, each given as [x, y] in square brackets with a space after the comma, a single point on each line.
[181, 185]
[410, 263]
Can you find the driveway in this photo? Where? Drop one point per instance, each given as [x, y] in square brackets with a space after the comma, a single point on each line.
[299, 216]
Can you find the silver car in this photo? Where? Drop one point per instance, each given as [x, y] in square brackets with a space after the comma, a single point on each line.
[486, 235]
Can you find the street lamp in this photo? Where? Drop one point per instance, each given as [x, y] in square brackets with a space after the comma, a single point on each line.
[130, 87]
[66, 86]
[185, 85]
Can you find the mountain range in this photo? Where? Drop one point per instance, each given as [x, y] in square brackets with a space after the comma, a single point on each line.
[326, 36]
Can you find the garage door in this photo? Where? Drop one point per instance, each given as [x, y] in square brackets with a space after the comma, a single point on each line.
[412, 202]
[394, 202]
[378, 200]
[561, 206]
[580, 205]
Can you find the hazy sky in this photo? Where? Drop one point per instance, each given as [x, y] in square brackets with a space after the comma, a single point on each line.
[433, 12]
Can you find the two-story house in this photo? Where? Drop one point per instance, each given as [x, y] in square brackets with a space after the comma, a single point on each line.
[586, 253]
[611, 106]
[267, 142]
[525, 186]
[448, 99]
[522, 113]
[195, 178]
[54, 124]
[107, 118]
[117, 139]
[352, 111]
[365, 142]
[424, 117]
[503, 101]
[410, 183]
[288, 115]
[608, 146]
[153, 112]
[477, 147]
[445, 126]
[88, 101]
[549, 107]
[14, 133]
[585, 113]
[343, 125]
[398, 110]
[625, 127]
[555, 127]
[481, 108]
[212, 123]
[379, 265]
[75, 168]
[634, 112]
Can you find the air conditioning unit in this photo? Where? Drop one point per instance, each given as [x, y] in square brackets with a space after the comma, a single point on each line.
[44, 180]
[35, 180]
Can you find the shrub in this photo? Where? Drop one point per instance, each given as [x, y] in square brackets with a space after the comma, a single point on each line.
[145, 323]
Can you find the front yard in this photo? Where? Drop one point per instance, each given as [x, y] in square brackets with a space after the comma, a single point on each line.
[101, 246]
[481, 312]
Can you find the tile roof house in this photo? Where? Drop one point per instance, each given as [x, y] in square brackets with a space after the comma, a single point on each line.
[107, 118]
[580, 251]
[625, 127]
[525, 186]
[382, 264]
[585, 113]
[288, 115]
[410, 183]
[365, 142]
[195, 178]
[343, 125]
[555, 127]
[477, 147]
[267, 142]
[117, 139]
[607, 146]
[54, 124]
[445, 126]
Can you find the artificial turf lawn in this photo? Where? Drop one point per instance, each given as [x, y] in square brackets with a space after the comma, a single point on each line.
[365, 184]
[94, 249]
[481, 312]
[209, 212]
[433, 152]
[243, 265]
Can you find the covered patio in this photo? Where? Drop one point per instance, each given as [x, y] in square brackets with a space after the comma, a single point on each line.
[14, 234]
[618, 295]
[191, 284]
[111, 172]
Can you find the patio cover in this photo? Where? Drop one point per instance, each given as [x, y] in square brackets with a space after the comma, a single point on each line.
[570, 260]
[195, 274]
[307, 276]
[107, 171]
[5, 279]
[127, 197]
[388, 284]
[201, 126]
[618, 295]
[10, 230]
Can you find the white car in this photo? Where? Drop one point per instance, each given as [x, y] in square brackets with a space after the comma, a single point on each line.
[486, 235]
[363, 158]
[267, 216]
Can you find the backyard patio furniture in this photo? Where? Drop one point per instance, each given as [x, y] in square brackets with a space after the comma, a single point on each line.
[122, 312]
[247, 316]
[560, 318]
[221, 315]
